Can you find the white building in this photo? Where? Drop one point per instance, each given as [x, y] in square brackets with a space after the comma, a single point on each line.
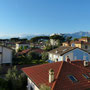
[5, 55]
[74, 53]
[22, 44]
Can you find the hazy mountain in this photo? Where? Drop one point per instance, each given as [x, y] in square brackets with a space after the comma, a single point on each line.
[74, 35]
[29, 36]
[79, 34]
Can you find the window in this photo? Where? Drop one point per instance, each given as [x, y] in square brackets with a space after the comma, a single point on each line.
[87, 77]
[72, 78]
[31, 88]
[86, 47]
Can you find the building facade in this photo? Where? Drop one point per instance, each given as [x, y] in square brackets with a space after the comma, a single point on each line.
[5, 55]
[61, 53]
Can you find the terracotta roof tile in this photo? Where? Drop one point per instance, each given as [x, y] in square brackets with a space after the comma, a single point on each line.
[39, 75]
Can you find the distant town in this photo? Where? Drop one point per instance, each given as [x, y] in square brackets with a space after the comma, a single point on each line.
[55, 62]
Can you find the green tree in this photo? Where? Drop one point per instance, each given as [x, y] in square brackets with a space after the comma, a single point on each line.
[21, 48]
[58, 37]
[37, 38]
[44, 56]
[14, 79]
[33, 55]
[75, 39]
[68, 39]
[0, 68]
[14, 39]
[48, 47]
[25, 47]
[3, 84]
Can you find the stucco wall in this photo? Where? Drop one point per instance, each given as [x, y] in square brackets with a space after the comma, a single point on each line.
[31, 84]
[78, 45]
[75, 54]
[6, 55]
[83, 47]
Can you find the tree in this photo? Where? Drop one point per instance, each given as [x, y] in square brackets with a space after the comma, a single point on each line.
[25, 47]
[75, 39]
[37, 38]
[0, 68]
[44, 87]
[68, 39]
[44, 56]
[58, 37]
[20, 48]
[32, 56]
[14, 39]
[3, 84]
[48, 47]
[14, 79]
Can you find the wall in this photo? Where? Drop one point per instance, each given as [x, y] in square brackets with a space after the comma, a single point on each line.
[83, 47]
[75, 54]
[78, 45]
[7, 55]
[31, 84]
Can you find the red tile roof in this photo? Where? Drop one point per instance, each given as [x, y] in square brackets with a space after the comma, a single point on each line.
[39, 75]
[38, 50]
[23, 52]
[30, 50]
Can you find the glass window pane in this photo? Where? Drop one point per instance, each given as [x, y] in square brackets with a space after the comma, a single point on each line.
[72, 78]
[87, 77]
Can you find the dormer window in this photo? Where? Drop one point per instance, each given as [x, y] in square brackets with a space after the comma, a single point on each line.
[86, 76]
[72, 78]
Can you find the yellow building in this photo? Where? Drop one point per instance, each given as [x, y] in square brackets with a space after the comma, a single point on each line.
[83, 43]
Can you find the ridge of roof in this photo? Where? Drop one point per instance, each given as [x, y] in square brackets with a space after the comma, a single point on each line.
[69, 48]
[81, 67]
[62, 69]
[57, 75]
[61, 52]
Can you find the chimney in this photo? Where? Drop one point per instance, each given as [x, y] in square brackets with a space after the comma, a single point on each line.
[67, 59]
[56, 51]
[85, 63]
[51, 75]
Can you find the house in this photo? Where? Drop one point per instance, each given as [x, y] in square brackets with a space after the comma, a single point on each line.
[74, 53]
[74, 75]
[22, 44]
[85, 39]
[83, 43]
[5, 55]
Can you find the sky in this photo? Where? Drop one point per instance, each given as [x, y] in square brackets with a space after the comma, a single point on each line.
[44, 16]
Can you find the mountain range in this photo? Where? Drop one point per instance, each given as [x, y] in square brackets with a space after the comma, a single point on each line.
[78, 34]
[29, 36]
[74, 35]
